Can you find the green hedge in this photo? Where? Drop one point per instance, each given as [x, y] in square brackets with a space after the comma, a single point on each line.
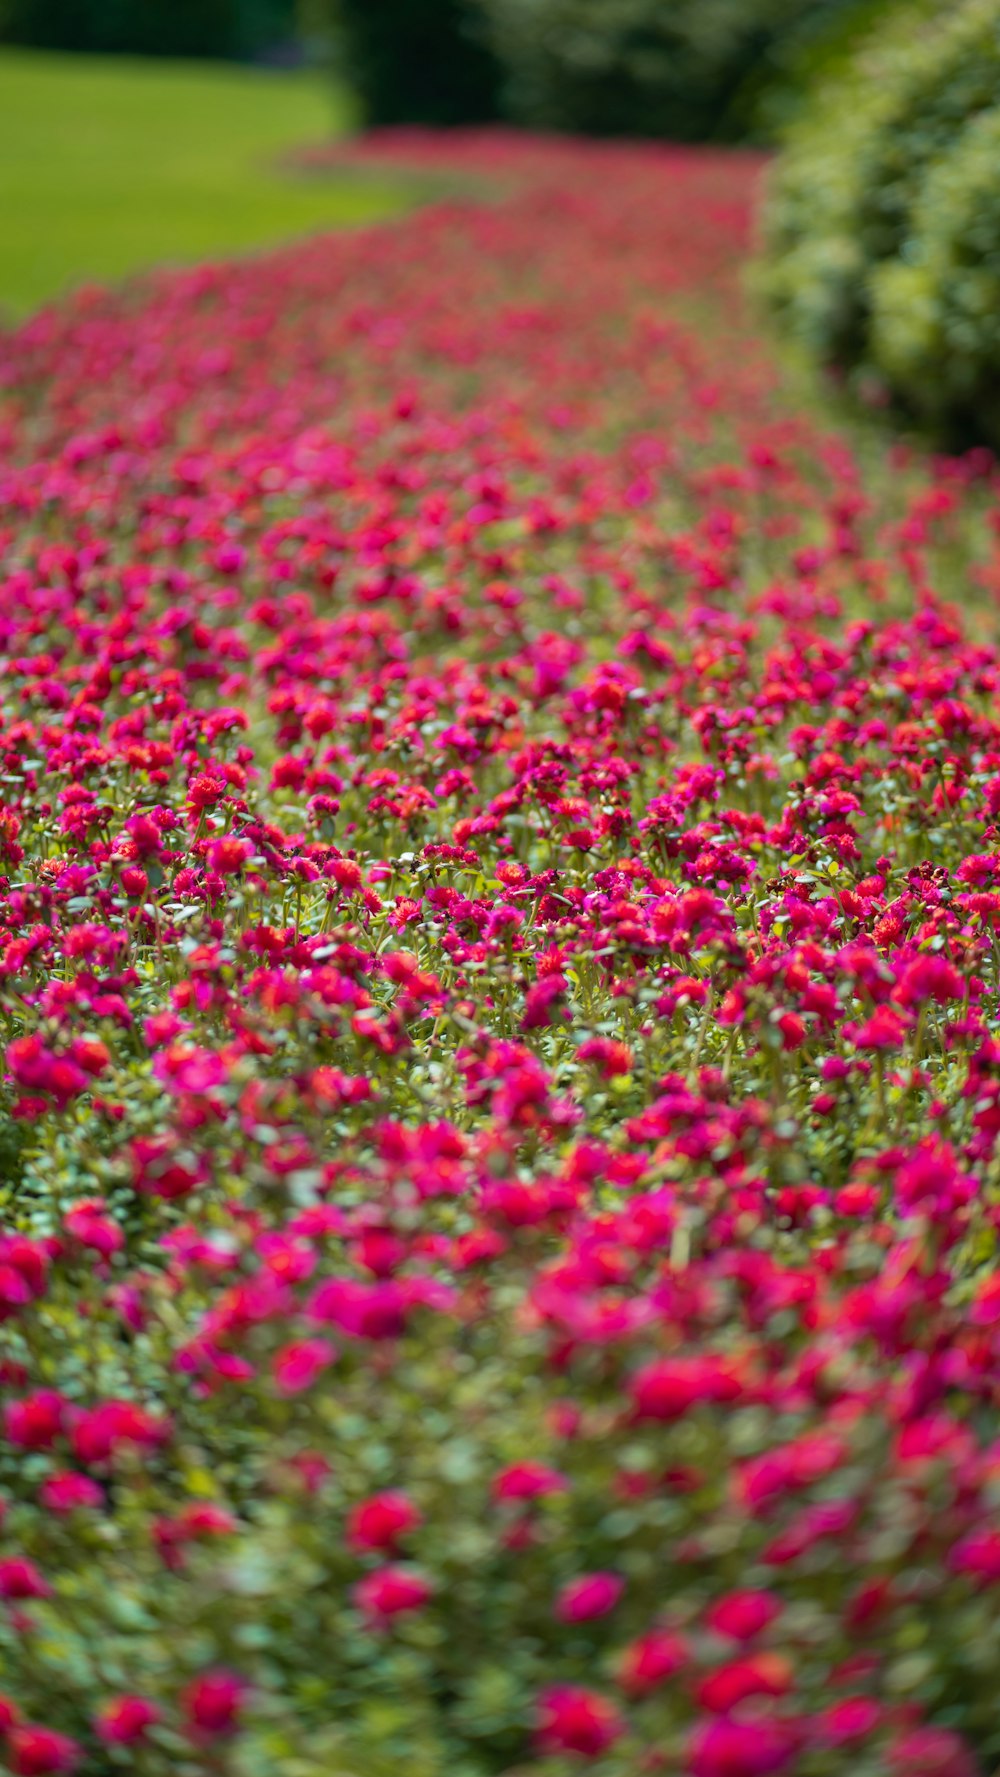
[935, 316]
[882, 227]
[684, 69]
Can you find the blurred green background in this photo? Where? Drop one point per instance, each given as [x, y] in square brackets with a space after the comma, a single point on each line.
[108, 164]
[134, 132]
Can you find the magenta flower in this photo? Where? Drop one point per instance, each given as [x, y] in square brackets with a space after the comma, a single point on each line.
[592, 1595]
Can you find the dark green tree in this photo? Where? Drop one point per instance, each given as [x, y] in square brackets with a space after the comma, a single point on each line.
[234, 29]
[414, 61]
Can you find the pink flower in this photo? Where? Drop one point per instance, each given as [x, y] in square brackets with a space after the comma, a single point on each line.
[20, 1579]
[391, 1592]
[41, 1752]
[652, 1661]
[573, 1719]
[742, 1615]
[756, 1675]
[725, 1747]
[38, 1069]
[593, 1595]
[985, 1310]
[89, 1223]
[123, 1721]
[229, 558]
[978, 1554]
[527, 1481]
[930, 1752]
[211, 1704]
[159, 1169]
[297, 1366]
[929, 978]
[35, 1421]
[229, 856]
[884, 1030]
[382, 1521]
[70, 1492]
[668, 1388]
[854, 1718]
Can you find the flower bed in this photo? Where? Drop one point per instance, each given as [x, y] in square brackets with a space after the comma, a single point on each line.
[500, 888]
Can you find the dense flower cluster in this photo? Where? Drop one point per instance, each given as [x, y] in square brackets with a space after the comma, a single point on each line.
[500, 849]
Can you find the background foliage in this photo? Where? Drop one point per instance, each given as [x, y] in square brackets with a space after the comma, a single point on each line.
[237, 29]
[881, 229]
[426, 63]
[691, 70]
[681, 69]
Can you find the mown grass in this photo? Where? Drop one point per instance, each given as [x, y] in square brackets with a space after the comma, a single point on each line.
[109, 165]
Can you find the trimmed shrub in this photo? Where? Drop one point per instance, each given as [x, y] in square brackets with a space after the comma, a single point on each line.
[807, 50]
[884, 191]
[935, 314]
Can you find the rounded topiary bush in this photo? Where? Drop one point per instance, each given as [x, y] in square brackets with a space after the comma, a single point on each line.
[880, 226]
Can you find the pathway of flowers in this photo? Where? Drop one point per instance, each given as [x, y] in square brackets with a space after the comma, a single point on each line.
[501, 876]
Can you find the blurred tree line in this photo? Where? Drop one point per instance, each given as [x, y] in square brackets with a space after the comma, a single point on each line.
[685, 69]
[238, 30]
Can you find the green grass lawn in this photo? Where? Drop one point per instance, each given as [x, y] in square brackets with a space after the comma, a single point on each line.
[108, 165]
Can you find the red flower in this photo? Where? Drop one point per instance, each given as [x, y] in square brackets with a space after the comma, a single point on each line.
[742, 1615]
[88, 1222]
[391, 1592]
[725, 1747]
[652, 1661]
[382, 1521]
[297, 1366]
[123, 1721]
[160, 1170]
[593, 1595]
[853, 1718]
[885, 1029]
[527, 1481]
[978, 1554]
[20, 1578]
[930, 1752]
[230, 855]
[573, 1719]
[211, 1704]
[36, 1421]
[756, 1675]
[41, 1752]
[70, 1492]
[670, 1387]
